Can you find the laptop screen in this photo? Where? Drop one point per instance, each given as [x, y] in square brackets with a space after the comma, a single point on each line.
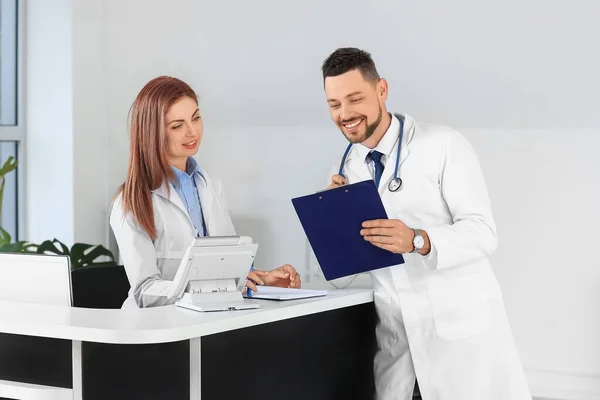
[35, 278]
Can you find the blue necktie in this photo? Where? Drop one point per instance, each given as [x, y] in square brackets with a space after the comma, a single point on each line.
[376, 157]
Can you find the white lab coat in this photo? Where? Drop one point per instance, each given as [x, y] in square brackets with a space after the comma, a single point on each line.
[149, 261]
[441, 316]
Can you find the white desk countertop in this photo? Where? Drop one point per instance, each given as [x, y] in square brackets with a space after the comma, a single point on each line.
[159, 324]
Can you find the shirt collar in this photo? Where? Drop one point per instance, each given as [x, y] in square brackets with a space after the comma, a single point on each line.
[192, 169]
[386, 144]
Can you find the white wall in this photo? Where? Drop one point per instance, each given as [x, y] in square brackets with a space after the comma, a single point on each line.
[66, 152]
[518, 64]
[517, 77]
[49, 121]
[90, 120]
[546, 206]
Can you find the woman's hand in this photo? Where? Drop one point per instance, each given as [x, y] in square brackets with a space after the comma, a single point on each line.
[285, 276]
[253, 280]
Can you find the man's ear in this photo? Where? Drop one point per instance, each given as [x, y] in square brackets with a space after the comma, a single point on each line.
[382, 88]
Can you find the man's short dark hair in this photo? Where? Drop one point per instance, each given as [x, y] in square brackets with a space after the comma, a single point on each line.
[347, 59]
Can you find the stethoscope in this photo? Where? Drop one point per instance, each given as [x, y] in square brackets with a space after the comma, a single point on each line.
[395, 183]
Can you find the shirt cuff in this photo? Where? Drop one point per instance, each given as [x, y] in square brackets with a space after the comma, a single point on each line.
[431, 259]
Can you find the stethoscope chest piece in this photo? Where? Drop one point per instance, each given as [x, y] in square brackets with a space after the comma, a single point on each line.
[395, 184]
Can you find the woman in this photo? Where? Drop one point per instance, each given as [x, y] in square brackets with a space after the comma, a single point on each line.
[167, 199]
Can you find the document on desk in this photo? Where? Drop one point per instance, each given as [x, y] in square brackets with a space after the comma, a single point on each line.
[277, 293]
[332, 221]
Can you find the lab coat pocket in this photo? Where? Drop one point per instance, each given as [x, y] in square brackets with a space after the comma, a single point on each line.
[385, 332]
[418, 199]
[460, 307]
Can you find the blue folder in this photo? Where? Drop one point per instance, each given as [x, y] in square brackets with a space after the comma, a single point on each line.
[332, 221]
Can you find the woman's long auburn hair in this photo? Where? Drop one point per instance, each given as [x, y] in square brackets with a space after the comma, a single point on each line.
[149, 166]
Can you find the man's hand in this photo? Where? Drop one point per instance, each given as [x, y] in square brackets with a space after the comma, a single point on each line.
[337, 181]
[392, 235]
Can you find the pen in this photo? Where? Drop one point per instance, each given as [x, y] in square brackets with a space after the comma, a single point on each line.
[248, 290]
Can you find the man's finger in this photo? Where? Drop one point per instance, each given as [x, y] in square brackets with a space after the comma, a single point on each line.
[381, 223]
[378, 232]
[338, 180]
[380, 239]
[387, 247]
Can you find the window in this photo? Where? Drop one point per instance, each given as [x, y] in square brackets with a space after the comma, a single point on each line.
[11, 117]
[8, 62]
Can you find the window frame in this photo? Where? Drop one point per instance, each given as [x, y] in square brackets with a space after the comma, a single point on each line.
[17, 132]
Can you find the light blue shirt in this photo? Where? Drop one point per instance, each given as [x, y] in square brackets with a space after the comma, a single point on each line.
[186, 188]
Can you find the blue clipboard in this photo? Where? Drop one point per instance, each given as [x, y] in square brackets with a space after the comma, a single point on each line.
[332, 221]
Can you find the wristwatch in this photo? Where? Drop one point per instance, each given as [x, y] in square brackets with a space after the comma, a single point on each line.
[418, 241]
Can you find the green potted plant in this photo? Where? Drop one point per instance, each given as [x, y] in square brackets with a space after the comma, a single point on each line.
[82, 255]
[97, 279]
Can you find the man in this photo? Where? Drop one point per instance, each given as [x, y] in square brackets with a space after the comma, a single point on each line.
[441, 313]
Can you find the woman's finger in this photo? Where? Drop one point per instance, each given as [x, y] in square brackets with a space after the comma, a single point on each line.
[279, 273]
[250, 285]
[253, 276]
[296, 283]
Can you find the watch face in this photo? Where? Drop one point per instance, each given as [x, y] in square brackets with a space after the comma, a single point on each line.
[419, 242]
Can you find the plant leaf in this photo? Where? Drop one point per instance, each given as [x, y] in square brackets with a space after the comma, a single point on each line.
[9, 166]
[2, 182]
[64, 248]
[18, 247]
[49, 247]
[82, 255]
[28, 247]
[78, 250]
[4, 236]
[85, 255]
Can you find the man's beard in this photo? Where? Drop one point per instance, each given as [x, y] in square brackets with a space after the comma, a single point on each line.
[369, 130]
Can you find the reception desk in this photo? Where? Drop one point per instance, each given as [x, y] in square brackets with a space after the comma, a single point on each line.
[319, 348]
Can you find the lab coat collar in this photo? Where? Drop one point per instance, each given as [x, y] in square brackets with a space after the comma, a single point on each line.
[168, 192]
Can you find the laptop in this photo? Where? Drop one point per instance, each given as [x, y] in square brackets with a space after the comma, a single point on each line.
[36, 278]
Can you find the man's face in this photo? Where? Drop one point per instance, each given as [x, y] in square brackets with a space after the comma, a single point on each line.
[355, 104]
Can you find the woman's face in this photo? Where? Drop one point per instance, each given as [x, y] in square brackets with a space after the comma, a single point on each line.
[184, 131]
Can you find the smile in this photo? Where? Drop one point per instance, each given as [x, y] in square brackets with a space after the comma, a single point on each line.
[353, 124]
[192, 143]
